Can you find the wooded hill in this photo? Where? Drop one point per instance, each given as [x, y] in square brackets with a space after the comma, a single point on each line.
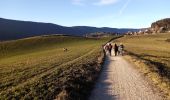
[13, 29]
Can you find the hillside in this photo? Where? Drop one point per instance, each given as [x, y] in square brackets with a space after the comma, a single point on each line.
[161, 25]
[13, 29]
[38, 68]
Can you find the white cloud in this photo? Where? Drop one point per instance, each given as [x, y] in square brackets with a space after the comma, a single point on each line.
[106, 2]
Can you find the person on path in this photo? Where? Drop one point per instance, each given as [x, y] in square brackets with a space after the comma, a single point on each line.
[106, 48]
[110, 48]
[116, 49]
[121, 49]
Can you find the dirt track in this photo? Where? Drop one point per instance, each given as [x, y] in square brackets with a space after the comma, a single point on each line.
[119, 80]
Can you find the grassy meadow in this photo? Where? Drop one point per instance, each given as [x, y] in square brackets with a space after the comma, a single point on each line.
[154, 50]
[38, 68]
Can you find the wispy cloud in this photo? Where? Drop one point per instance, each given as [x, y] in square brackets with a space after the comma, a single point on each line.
[106, 2]
[98, 2]
[77, 2]
[124, 7]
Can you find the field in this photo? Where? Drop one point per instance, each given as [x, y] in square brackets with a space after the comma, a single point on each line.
[38, 68]
[154, 51]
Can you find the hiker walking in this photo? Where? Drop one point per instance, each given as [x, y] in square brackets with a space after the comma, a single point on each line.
[106, 48]
[116, 49]
[121, 49]
[110, 49]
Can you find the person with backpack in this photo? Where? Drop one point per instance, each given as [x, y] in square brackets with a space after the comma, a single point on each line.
[121, 49]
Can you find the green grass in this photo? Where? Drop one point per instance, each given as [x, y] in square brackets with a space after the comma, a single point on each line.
[155, 50]
[30, 68]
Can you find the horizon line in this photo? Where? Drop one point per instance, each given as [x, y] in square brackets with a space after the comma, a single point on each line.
[71, 25]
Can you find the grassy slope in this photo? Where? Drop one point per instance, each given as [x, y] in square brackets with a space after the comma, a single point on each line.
[25, 63]
[154, 49]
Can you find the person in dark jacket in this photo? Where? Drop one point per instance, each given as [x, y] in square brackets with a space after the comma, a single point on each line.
[116, 49]
[110, 49]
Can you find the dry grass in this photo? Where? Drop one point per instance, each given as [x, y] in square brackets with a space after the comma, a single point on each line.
[38, 68]
[152, 53]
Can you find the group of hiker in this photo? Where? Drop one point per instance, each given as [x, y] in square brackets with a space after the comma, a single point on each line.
[118, 49]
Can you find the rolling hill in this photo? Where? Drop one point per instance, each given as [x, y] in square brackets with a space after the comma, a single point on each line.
[14, 29]
[38, 68]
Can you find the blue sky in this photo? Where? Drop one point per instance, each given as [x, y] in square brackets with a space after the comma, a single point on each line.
[99, 13]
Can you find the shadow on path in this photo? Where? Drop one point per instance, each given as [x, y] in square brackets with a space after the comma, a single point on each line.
[103, 88]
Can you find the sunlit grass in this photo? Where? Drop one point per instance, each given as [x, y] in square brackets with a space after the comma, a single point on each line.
[151, 47]
[154, 51]
[24, 63]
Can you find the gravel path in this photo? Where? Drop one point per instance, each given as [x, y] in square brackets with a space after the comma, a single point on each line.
[119, 80]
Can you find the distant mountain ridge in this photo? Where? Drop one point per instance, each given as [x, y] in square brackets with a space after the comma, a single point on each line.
[14, 29]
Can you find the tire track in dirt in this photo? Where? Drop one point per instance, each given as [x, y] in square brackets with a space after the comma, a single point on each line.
[46, 72]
